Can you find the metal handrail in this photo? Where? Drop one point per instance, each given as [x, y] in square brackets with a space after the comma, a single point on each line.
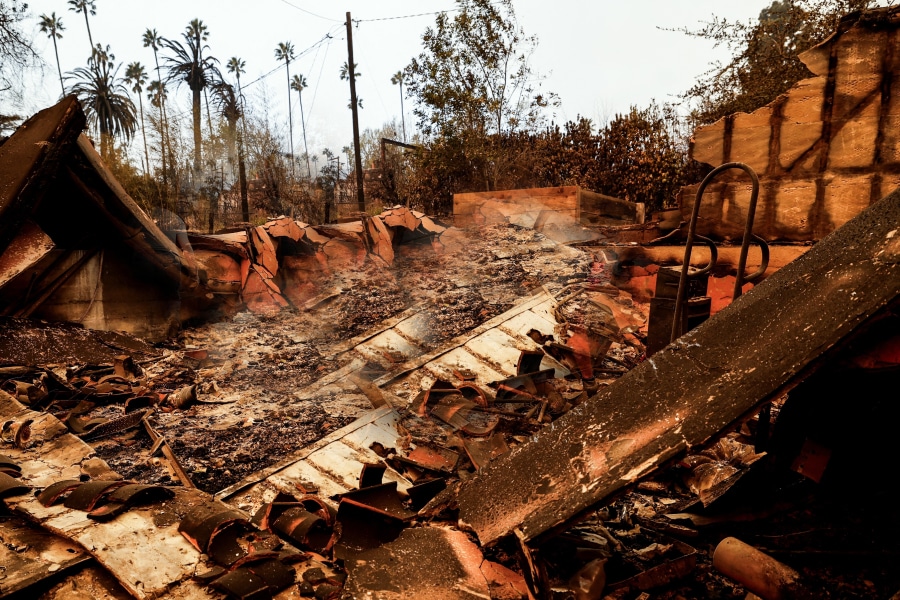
[745, 244]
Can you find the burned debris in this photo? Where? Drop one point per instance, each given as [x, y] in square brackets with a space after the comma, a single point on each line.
[397, 407]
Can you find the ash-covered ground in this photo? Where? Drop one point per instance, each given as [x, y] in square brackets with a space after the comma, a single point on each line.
[249, 417]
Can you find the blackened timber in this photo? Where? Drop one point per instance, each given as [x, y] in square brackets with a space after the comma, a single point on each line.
[706, 381]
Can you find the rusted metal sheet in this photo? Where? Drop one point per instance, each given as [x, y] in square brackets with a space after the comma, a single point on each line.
[234, 243]
[301, 276]
[284, 227]
[332, 465]
[482, 451]
[260, 294]
[223, 272]
[401, 218]
[389, 346]
[490, 352]
[344, 254]
[696, 387]
[264, 250]
[380, 240]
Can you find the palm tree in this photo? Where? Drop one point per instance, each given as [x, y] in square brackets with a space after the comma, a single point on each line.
[136, 75]
[104, 97]
[85, 6]
[285, 52]
[187, 64]
[236, 66]
[228, 104]
[156, 94]
[345, 71]
[397, 79]
[52, 26]
[345, 76]
[298, 84]
[153, 40]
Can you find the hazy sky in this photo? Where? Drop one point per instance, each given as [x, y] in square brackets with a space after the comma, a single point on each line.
[600, 57]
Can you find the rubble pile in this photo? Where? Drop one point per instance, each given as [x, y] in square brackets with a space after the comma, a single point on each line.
[408, 477]
[392, 408]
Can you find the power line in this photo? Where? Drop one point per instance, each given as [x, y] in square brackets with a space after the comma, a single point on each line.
[438, 12]
[312, 68]
[302, 53]
[316, 89]
[311, 13]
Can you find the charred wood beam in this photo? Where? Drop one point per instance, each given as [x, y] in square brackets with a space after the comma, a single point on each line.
[160, 443]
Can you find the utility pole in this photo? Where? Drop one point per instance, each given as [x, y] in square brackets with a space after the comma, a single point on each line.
[360, 196]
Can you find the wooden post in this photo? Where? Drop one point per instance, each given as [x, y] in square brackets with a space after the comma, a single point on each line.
[360, 196]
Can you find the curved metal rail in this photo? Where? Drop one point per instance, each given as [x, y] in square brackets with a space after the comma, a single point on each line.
[749, 236]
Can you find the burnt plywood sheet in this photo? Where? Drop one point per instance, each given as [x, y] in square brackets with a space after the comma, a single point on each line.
[697, 386]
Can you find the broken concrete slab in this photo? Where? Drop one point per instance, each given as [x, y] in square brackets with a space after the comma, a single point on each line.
[697, 386]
